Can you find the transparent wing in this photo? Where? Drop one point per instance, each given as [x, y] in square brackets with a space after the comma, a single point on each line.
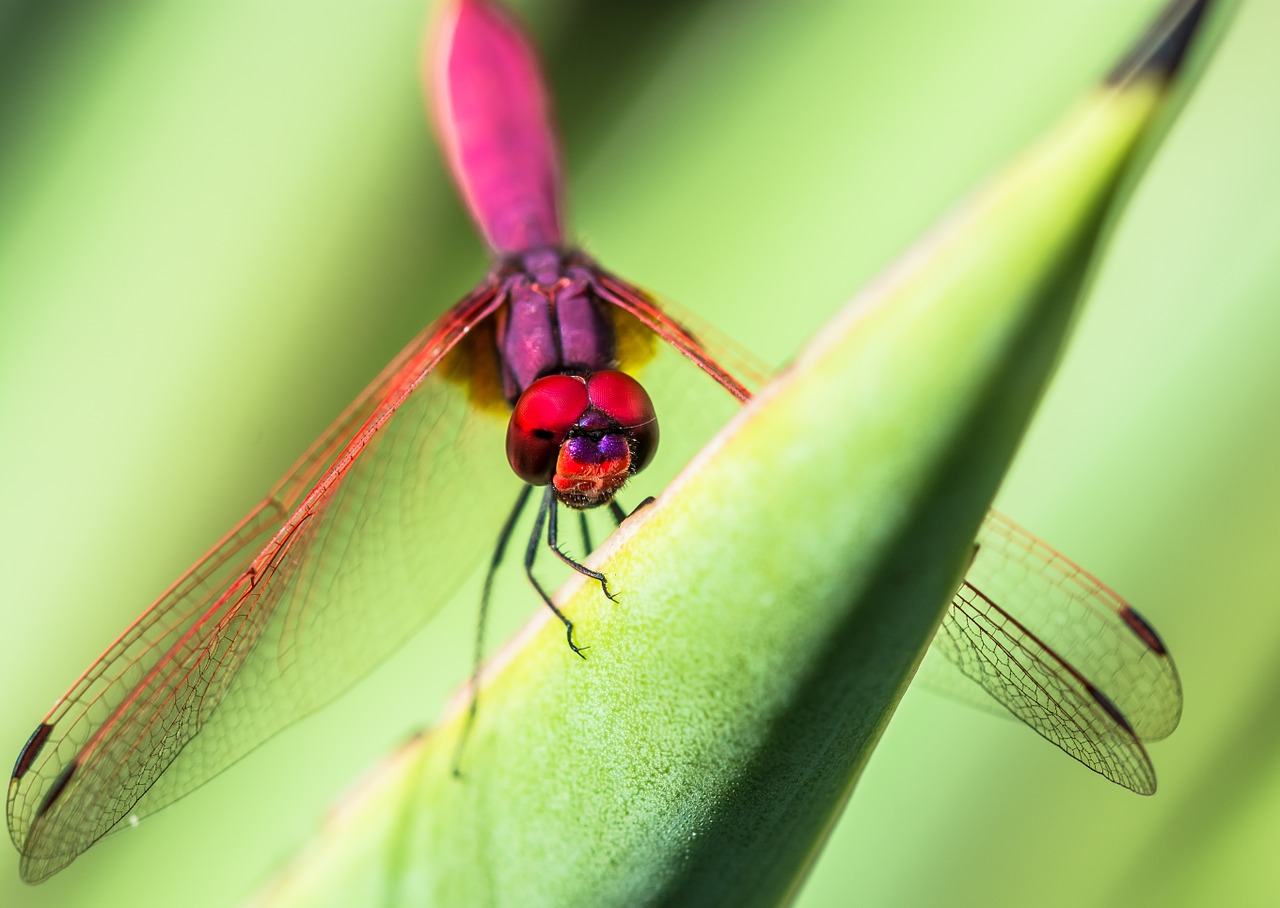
[734, 371]
[356, 548]
[1062, 652]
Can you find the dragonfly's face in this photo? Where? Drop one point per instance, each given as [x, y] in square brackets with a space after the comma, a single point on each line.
[585, 435]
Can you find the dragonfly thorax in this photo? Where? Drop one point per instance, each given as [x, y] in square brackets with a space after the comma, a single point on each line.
[553, 321]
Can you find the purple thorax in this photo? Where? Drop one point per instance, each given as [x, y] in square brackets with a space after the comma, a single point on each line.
[554, 322]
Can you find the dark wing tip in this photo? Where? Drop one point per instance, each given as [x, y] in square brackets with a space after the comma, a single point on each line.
[58, 787]
[1142, 627]
[1141, 779]
[31, 750]
[1161, 50]
[1111, 709]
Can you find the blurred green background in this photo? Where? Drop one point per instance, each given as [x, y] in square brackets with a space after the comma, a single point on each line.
[218, 220]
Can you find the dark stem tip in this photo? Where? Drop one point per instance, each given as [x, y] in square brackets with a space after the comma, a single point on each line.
[1161, 50]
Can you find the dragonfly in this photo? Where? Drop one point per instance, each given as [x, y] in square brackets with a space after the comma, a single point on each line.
[376, 526]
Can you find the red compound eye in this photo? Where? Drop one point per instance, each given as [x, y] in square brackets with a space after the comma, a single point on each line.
[542, 417]
[622, 399]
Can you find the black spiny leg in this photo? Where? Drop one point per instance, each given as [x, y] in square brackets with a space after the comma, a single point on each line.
[531, 553]
[620, 514]
[586, 533]
[553, 543]
[504, 536]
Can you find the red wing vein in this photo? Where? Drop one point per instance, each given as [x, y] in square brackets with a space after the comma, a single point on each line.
[1084, 621]
[130, 714]
[1035, 684]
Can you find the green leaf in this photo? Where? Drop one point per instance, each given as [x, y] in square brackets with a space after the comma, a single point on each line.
[773, 603]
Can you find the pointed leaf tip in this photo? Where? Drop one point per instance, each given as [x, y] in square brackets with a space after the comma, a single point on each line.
[1160, 51]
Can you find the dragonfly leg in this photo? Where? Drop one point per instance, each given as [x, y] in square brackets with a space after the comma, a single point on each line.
[531, 553]
[499, 551]
[553, 543]
[620, 513]
[586, 532]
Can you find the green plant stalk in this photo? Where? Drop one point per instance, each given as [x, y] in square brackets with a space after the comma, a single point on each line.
[773, 603]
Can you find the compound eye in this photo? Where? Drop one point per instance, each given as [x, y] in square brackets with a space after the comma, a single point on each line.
[622, 399]
[542, 417]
